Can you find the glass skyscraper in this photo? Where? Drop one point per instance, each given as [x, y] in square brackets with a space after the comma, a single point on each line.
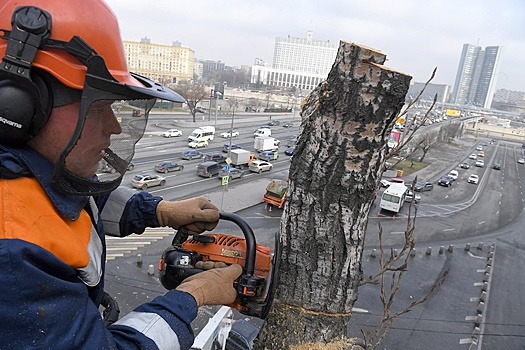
[477, 75]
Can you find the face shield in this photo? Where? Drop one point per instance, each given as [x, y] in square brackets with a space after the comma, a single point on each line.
[109, 110]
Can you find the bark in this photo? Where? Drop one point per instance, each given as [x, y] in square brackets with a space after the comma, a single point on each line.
[335, 170]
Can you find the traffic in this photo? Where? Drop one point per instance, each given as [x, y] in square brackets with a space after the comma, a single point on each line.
[165, 142]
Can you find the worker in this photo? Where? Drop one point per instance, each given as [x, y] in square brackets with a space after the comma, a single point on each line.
[67, 102]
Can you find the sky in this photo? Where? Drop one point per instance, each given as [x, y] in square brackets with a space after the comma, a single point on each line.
[417, 36]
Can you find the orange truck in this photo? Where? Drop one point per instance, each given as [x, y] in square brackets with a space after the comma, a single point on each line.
[276, 193]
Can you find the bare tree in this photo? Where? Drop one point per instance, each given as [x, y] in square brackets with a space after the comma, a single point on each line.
[194, 92]
[426, 142]
[334, 173]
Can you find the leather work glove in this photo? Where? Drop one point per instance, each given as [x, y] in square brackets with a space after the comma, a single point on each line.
[197, 214]
[213, 287]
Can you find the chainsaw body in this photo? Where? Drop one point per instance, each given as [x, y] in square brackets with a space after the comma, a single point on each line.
[255, 287]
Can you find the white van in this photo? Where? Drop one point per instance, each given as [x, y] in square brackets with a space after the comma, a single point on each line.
[204, 133]
[262, 132]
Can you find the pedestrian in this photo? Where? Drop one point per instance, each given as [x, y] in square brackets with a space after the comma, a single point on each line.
[67, 102]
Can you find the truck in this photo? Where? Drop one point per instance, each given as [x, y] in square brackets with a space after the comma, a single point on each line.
[265, 143]
[276, 193]
[241, 158]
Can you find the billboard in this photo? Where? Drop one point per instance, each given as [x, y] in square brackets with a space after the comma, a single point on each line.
[393, 139]
[452, 113]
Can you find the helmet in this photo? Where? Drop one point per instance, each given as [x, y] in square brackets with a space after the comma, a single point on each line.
[78, 44]
[93, 21]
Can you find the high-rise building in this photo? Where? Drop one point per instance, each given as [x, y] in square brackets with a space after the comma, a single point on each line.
[440, 91]
[160, 62]
[477, 75]
[297, 62]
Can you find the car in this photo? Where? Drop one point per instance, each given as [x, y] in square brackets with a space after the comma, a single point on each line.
[198, 144]
[388, 182]
[147, 180]
[230, 133]
[276, 142]
[480, 163]
[422, 186]
[521, 161]
[445, 181]
[258, 166]
[479, 148]
[292, 141]
[289, 151]
[473, 156]
[227, 147]
[214, 157]
[232, 172]
[191, 154]
[473, 179]
[481, 154]
[268, 155]
[287, 125]
[453, 174]
[200, 110]
[274, 123]
[410, 196]
[167, 166]
[464, 165]
[106, 168]
[496, 166]
[172, 133]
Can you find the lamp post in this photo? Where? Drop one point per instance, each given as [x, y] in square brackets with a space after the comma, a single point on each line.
[209, 109]
[217, 93]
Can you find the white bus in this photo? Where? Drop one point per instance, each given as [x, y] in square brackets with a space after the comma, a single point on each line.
[204, 133]
[393, 197]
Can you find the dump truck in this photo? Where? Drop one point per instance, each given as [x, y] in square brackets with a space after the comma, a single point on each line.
[241, 158]
[276, 193]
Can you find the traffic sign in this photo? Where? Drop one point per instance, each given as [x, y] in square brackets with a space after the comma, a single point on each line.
[225, 180]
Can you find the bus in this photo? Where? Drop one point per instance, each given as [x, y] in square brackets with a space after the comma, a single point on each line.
[204, 133]
[393, 197]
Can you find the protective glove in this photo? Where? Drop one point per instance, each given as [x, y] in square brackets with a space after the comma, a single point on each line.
[197, 214]
[213, 287]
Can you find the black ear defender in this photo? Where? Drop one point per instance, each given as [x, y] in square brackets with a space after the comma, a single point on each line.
[25, 98]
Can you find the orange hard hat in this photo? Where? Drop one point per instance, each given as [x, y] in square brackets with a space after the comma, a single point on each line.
[93, 21]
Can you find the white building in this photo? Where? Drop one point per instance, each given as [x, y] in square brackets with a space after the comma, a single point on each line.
[160, 62]
[297, 62]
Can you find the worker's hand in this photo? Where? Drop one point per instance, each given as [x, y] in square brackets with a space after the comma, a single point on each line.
[197, 214]
[213, 287]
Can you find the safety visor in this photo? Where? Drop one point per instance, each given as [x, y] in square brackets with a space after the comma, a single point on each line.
[92, 165]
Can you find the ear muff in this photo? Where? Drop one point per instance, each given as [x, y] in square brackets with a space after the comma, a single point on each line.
[22, 115]
[25, 98]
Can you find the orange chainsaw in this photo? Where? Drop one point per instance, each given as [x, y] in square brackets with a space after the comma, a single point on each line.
[255, 287]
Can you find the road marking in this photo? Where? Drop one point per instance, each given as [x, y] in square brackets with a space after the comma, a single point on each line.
[481, 223]
[397, 233]
[449, 229]
[121, 246]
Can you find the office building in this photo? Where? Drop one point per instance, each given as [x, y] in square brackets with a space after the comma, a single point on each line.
[297, 62]
[441, 91]
[160, 62]
[477, 75]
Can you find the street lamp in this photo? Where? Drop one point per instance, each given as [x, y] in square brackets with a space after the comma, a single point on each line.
[217, 94]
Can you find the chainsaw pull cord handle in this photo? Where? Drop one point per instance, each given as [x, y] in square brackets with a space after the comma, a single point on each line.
[249, 264]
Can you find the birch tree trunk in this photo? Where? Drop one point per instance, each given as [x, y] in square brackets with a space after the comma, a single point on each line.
[336, 168]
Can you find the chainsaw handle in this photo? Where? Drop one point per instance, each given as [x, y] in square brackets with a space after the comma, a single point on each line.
[249, 264]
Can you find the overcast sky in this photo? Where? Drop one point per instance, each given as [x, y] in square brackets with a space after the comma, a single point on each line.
[415, 35]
